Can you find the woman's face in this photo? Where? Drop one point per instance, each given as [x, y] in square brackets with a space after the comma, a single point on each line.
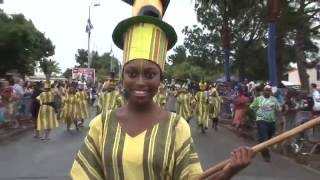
[141, 79]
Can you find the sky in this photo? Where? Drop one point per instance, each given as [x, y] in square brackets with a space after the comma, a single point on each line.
[64, 21]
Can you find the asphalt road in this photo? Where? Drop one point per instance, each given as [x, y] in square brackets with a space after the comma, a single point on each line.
[27, 158]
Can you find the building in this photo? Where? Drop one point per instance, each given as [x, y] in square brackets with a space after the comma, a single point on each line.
[314, 76]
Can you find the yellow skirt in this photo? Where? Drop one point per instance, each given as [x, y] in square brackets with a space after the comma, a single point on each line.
[47, 118]
[82, 111]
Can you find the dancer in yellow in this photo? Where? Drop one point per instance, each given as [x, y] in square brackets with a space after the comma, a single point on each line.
[161, 98]
[110, 99]
[214, 107]
[202, 111]
[82, 111]
[69, 103]
[141, 140]
[47, 118]
[184, 100]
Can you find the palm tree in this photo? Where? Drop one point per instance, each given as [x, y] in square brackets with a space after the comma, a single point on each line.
[48, 67]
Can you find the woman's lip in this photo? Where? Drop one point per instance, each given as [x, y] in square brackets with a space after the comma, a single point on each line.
[140, 93]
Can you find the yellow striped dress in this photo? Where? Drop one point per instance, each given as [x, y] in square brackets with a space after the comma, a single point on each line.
[110, 100]
[184, 105]
[47, 118]
[82, 111]
[215, 106]
[69, 104]
[165, 151]
[160, 99]
[202, 111]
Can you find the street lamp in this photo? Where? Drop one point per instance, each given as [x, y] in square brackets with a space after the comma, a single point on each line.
[89, 27]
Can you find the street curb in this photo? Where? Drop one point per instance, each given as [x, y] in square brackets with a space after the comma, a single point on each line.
[13, 133]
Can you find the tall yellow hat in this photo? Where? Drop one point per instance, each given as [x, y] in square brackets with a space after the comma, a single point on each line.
[47, 85]
[145, 36]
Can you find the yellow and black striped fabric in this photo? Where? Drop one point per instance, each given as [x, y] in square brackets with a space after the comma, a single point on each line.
[69, 103]
[47, 118]
[215, 106]
[184, 105]
[160, 99]
[145, 41]
[82, 111]
[165, 151]
[110, 100]
[202, 111]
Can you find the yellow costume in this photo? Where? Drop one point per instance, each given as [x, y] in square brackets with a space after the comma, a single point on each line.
[111, 99]
[82, 111]
[164, 152]
[69, 104]
[184, 101]
[160, 99]
[214, 104]
[47, 118]
[202, 106]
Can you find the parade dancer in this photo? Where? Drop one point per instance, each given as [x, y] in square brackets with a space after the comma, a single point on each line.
[141, 140]
[82, 111]
[161, 98]
[110, 99]
[184, 101]
[35, 106]
[69, 103]
[202, 111]
[215, 102]
[47, 118]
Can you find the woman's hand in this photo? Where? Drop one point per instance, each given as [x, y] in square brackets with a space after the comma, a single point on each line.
[240, 159]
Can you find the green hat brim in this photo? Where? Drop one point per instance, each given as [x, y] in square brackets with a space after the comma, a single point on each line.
[123, 26]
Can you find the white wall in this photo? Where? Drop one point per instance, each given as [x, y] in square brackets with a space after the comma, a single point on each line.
[293, 76]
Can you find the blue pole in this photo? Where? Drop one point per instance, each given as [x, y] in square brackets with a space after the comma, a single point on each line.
[226, 63]
[273, 77]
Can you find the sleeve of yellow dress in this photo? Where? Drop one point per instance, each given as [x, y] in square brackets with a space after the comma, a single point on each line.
[187, 164]
[88, 162]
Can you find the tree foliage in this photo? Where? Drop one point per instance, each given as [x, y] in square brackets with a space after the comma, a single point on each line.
[297, 29]
[103, 64]
[49, 66]
[21, 44]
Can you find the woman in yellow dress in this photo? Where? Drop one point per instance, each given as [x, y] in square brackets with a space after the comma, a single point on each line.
[161, 98]
[110, 99]
[69, 103]
[215, 102]
[184, 100]
[141, 140]
[202, 110]
[47, 118]
[82, 111]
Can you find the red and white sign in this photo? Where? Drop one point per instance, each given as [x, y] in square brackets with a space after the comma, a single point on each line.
[86, 74]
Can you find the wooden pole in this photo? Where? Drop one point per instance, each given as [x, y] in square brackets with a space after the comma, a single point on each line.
[259, 147]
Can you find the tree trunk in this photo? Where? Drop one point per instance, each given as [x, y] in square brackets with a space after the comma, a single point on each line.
[301, 60]
[48, 76]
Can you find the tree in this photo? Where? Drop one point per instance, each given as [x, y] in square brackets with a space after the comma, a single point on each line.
[67, 73]
[21, 44]
[244, 19]
[48, 67]
[82, 58]
[103, 64]
[306, 28]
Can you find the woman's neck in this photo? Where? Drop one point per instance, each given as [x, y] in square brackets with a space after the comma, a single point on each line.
[148, 107]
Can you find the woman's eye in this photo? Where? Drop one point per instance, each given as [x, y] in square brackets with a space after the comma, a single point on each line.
[132, 74]
[150, 75]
